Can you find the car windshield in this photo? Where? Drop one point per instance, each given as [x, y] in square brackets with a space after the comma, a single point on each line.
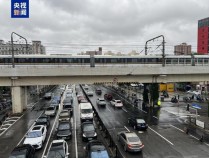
[63, 114]
[67, 106]
[118, 101]
[97, 147]
[101, 100]
[97, 154]
[64, 126]
[54, 102]
[41, 120]
[34, 134]
[140, 121]
[133, 139]
[50, 108]
[88, 127]
[56, 153]
[86, 111]
[68, 100]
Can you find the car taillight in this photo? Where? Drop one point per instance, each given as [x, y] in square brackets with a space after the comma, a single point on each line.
[141, 145]
[129, 145]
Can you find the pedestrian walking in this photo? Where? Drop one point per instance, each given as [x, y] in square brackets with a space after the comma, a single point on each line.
[178, 96]
[188, 107]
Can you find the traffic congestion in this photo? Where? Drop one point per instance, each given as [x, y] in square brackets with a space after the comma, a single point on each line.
[96, 121]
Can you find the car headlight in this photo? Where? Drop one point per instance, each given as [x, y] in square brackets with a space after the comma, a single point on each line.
[95, 134]
[39, 143]
[84, 135]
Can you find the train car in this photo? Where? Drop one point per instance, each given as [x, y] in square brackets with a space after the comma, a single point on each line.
[103, 60]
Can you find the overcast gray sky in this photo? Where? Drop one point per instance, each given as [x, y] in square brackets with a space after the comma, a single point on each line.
[117, 25]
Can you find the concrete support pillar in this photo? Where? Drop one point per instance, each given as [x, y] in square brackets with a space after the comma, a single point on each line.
[19, 97]
[25, 97]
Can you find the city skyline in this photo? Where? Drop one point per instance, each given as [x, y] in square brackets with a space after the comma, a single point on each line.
[118, 26]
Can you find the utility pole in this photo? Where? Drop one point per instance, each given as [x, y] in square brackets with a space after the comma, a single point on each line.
[13, 56]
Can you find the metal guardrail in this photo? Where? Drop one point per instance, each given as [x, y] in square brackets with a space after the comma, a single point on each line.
[116, 153]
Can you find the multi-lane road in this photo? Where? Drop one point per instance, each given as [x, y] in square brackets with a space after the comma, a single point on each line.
[163, 138]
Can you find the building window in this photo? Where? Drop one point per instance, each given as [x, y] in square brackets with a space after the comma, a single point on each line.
[202, 48]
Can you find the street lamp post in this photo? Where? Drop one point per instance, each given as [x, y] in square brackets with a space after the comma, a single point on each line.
[13, 56]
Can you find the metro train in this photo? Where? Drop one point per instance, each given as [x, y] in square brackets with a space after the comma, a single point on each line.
[102, 59]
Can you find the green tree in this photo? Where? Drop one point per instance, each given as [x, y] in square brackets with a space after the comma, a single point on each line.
[154, 92]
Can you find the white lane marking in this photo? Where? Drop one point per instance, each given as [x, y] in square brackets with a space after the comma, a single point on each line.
[108, 109]
[193, 137]
[155, 117]
[55, 120]
[126, 128]
[76, 143]
[206, 144]
[32, 106]
[28, 130]
[177, 128]
[124, 110]
[11, 125]
[161, 136]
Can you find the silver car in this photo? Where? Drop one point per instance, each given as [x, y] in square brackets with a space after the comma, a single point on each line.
[130, 141]
[101, 102]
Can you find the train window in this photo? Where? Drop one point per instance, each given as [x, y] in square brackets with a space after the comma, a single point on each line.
[20, 60]
[205, 61]
[152, 60]
[86, 60]
[46, 60]
[107, 60]
[200, 61]
[69, 60]
[119, 60]
[181, 60]
[129, 61]
[134, 60]
[168, 61]
[98, 60]
[188, 61]
[113, 60]
[8, 60]
[174, 61]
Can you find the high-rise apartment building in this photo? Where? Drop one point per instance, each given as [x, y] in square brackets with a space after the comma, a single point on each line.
[203, 36]
[182, 49]
[34, 48]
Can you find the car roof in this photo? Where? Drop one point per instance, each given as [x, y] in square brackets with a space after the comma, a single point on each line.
[58, 141]
[37, 127]
[101, 98]
[130, 134]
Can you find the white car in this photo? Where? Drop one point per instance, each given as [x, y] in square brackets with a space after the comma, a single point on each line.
[90, 93]
[58, 149]
[50, 111]
[101, 102]
[36, 136]
[116, 103]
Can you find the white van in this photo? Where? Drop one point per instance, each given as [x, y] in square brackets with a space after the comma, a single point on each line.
[86, 112]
